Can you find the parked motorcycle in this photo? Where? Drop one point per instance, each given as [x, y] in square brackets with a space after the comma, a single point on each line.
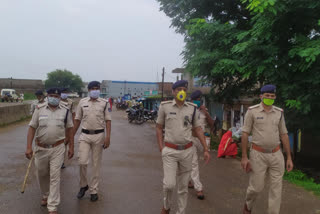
[135, 113]
[150, 115]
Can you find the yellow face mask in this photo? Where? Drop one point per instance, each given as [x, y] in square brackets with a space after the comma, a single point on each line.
[181, 95]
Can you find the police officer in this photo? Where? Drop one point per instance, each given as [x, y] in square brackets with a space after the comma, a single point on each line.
[267, 125]
[205, 120]
[40, 99]
[178, 118]
[49, 124]
[70, 105]
[95, 117]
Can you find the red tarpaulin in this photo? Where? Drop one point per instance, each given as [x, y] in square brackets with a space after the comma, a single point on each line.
[227, 147]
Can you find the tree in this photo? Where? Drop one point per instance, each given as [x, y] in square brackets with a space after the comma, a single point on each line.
[239, 45]
[64, 79]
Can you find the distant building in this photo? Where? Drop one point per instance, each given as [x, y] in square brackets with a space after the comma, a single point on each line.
[167, 88]
[194, 82]
[22, 85]
[111, 88]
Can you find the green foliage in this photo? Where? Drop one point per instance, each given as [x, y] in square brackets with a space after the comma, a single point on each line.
[259, 6]
[238, 45]
[300, 179]
[29, 96]
[64, 79]
[214, 143]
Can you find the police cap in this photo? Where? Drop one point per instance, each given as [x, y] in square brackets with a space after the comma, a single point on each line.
[39, 93]
[93, 84]
[180, 83]
[64, 90]
[196, 95]
[54, 91]
[268, 89]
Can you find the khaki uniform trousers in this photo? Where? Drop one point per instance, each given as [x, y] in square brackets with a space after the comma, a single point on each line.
[264, 165]
[176, 169]
[90, 144]
[48, 164]
[195, 177]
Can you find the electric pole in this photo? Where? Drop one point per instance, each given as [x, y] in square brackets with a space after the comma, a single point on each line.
[162, 83]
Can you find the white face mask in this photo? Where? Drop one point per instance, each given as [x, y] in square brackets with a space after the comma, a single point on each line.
[94, 94]
[53, 101]
[64, 96]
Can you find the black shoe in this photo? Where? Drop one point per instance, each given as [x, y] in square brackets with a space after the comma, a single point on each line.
[200, 195]
[63, 166]
[94, 197]
[82, 191]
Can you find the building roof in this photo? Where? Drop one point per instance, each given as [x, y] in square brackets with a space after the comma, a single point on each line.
[178, 70]
[133, 82]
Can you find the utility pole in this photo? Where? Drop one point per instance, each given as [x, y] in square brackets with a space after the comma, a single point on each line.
[162, 83]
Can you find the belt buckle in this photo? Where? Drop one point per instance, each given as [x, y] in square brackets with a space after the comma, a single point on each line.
[268, 150]
[49, 146]
[180, 147]
[91, 132]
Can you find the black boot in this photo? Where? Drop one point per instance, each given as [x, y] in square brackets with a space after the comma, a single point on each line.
[94, 197]
[82, 191]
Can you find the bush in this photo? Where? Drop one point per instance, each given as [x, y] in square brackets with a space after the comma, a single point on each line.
[29, 96]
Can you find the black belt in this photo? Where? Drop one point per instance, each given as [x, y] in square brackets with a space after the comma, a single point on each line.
[86, 131]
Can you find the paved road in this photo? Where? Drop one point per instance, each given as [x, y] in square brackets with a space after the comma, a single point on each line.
[131, 179]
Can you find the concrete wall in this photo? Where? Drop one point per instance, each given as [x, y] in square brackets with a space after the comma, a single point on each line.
[12, 113]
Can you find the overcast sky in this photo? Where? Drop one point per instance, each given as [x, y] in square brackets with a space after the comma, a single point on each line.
[97, 39]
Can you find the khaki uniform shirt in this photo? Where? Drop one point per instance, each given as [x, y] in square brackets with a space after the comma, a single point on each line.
[50, 124]
[203, 121]
[34, 105]
[266, 127]
[93, 113]
[177, 121]
[70, 104]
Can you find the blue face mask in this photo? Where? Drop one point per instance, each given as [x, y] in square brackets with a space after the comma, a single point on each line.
[64, 96]
[53, 101]
[197, 102]
[94, 94]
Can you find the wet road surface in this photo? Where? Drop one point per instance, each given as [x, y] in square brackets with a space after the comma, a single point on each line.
[131, 179]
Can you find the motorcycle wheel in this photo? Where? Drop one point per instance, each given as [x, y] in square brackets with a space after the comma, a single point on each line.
[140, 120]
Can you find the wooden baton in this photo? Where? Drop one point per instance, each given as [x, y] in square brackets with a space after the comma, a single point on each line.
[27, 174]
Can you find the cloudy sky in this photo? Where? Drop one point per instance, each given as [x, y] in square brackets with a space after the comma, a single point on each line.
[97, 39]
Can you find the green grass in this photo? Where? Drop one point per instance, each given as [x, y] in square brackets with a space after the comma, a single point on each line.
[29, 96]
[300, 179]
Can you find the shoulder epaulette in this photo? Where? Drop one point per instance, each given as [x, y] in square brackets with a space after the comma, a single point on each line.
[102, 99]
[63, 106]
[277, 108]
[41, 105]
[253, 107]
[166, 102]
[192, 104]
